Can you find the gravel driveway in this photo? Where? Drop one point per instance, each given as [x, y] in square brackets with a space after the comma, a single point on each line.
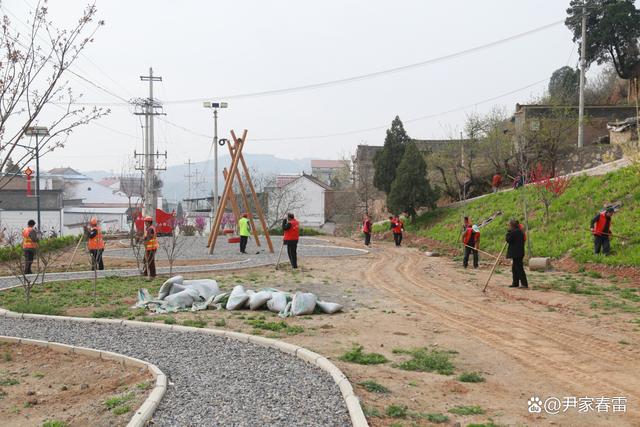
[213, 380]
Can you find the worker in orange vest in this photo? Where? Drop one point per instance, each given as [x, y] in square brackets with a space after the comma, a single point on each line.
[30, 238]
[496, 181]
[601, 229]
[291, 228]
[151, 245]
[471, 240]
[95, 244]
[366, 229]
[396, 228]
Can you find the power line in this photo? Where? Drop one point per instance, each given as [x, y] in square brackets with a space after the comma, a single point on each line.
[356, 131]
[354, 78]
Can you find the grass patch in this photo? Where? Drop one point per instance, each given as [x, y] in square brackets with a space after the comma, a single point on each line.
[471, 377]
[119, 410]
[7, 357]
[109, 312]
[259, 324]
[116, 401]
[196, 323]
[8, 381]
[370, 411]
[467, 410]
[423, 360]
[374, 387]
[37, 374]
[356, 355]
[143, 385]
[437, 418]
[220, 323]
[35, 308]
[169, 320]
[397, 411]
[623, 342]
[54, 423]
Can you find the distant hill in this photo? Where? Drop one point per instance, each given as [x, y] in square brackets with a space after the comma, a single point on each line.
[175, 182]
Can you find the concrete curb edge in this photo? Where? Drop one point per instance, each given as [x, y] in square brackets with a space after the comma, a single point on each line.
[146, 410]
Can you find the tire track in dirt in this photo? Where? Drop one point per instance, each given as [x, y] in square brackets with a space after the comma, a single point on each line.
[519, 347]
[547, 330]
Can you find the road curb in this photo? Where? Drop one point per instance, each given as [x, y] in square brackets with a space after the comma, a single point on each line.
[146, 410]
[148, 407]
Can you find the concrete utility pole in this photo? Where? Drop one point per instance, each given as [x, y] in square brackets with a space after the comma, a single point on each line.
[189, 176]
[149, 107]
[583, 66]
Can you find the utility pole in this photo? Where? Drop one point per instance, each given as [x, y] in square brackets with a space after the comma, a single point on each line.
[583, 65]
[189, 176]
[215, 106]
[148, 108]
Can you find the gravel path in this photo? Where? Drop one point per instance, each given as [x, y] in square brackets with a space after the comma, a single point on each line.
[213, 380]
[195, 248]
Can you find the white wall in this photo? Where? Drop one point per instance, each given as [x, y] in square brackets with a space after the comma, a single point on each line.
[310, 205]
[17, 220]
[109, 221]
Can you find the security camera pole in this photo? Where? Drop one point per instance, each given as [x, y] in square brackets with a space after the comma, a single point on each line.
[215, 106]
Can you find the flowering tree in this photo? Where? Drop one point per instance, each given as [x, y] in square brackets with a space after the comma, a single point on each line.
[200, 223]
[547, 187]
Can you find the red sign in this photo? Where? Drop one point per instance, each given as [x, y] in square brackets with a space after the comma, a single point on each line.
[28, 171]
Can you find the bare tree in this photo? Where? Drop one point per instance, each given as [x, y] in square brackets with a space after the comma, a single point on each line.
[32, 85]
[172, 245]
[46, 255]
[131, 187]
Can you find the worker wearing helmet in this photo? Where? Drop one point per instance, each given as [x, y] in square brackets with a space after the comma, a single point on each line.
[150, 247]
[95, 244]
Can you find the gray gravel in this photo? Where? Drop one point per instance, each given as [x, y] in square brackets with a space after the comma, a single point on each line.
[214, 380]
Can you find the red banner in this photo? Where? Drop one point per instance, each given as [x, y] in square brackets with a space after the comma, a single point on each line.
[28, 172]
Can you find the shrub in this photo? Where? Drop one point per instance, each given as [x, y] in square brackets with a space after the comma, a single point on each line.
[428, 361]
[356, 355]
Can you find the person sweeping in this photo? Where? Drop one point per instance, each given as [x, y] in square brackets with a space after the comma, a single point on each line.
[601, 230]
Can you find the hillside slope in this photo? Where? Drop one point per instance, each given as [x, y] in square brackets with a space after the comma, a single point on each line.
[570, 215]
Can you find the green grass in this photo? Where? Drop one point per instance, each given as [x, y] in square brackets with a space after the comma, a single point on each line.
[568, 228]
[220, 323]
[397, 411]
[119, 400]
[54, 423]
[8, 381]
[371, 411]
[489, 424]
[113, 296]
[119, 410]
[423, 360]
[38, 375]
[35, 308]
[356, 355]
[437, 418]
[467, 410]
[169, 320]
[259, 324]
[196, 323]
[471, 377]
[374, 387]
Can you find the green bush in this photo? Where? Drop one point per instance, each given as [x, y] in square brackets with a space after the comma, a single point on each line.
[8, 253]
[423, 360]
[374, 387]
[397, 411]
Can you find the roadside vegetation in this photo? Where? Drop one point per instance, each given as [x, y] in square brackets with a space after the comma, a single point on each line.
[569, 216]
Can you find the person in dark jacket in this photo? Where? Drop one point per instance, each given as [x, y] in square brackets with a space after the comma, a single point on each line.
[515, 251]
[601, 229]
[367, 227]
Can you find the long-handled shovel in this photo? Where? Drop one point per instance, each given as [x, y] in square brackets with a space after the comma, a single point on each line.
[494, 267]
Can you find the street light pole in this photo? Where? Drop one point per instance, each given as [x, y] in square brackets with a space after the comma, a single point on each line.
[583, 64]
[215, 106]
[37, 131]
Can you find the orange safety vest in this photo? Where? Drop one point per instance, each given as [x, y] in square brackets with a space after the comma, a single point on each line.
[151, 244]
[27, 243]
[96, 242]
[292, 233]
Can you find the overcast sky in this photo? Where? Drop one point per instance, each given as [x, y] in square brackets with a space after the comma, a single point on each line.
[212, 49]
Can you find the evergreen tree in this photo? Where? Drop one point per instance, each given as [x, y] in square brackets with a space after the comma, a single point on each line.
[410, 189]
[10, 167]
[387, 160]
[563, 86]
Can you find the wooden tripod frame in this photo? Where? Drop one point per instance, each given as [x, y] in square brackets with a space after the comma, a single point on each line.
[235, 149]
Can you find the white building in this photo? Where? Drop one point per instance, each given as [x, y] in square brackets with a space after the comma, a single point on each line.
[306, 197]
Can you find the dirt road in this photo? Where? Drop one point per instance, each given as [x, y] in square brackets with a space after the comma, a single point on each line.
[527, 343]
